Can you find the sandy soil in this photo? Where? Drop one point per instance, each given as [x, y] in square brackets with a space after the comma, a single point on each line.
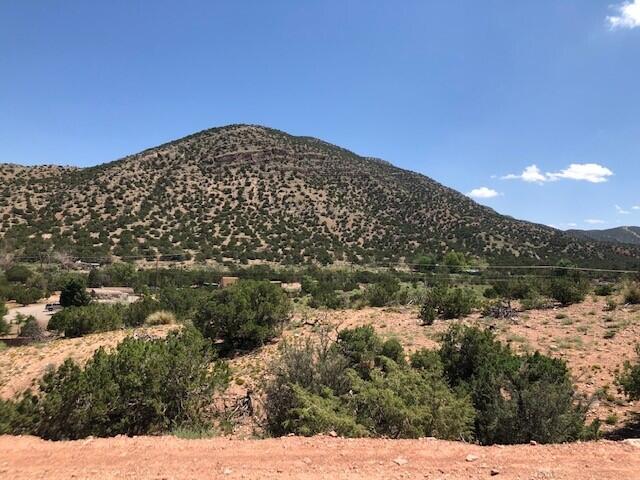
[37, 310]
[23, 458]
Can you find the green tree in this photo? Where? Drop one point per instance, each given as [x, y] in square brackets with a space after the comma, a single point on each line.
[4, 326]
[517, 399]
[144, 387]
[18, 274]
[244, 315]
[454, 261]
[93, 318]
[27, 295]
[74, 294]
[352, 387]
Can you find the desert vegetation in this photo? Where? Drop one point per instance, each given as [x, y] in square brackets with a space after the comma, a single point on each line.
[143, 387]
[246, 193]
[470, 382]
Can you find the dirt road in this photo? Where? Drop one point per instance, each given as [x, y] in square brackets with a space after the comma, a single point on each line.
[310, 458]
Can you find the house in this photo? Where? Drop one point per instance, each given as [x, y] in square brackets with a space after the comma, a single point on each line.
[227, 281]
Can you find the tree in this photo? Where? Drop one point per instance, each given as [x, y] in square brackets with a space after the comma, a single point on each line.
[244, 315]
[74, 294]
[567, 289]
[27, 295]
[4, 326]
[93, 318]
[144, 387]
[353, 388]
[425, 264]
[31, 329]
[447, 303]
[517, 399]
[454, 261]
[18, 274]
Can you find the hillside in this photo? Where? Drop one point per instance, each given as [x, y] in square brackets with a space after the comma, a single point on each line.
[630, 235]
[253, 193]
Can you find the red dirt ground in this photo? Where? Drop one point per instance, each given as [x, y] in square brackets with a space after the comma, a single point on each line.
[29, 458]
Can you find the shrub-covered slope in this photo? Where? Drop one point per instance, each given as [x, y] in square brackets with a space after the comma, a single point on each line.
[629, 235]
[250, 192]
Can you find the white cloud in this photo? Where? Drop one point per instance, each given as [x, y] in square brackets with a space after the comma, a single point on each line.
[572, 224]
[530, 174]
[587, 172]
[628, 15]
[594, 221]
[483, 192]
[621, 210]
[636, 207]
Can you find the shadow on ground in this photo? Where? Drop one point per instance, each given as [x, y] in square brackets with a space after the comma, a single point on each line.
[630, 430]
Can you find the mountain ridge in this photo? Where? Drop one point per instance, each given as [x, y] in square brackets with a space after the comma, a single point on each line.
[253, 193]
[625, 234]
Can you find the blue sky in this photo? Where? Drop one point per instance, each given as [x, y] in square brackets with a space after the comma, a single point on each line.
[472, 93]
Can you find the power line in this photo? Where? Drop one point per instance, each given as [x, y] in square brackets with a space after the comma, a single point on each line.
[166, 257]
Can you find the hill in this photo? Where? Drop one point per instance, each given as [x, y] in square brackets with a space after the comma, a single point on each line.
[254, 193]
[630, 235]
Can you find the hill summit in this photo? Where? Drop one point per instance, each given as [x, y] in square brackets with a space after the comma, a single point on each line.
[253, 193]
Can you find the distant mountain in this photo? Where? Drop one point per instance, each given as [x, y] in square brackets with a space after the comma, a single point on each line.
[628, 235]
[247, 192]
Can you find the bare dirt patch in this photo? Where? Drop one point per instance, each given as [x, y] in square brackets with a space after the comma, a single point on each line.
[24, 458]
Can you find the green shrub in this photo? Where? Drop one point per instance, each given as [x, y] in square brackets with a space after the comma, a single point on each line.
[137, 312]
[361, 346]
[428, 314]
[393, 350]
[629, 378]
[31, 329]
[352, 388]
[79, 321]
[18, 274]
[4, 326]
[182, 302]
[244, 315]
[316, 369]
[401, 402]
[536, 301]
[27, 295]
[448, 303]
[604, 290]
[74, 294]
[326, 299]
[428, 361]
[144, 387]
[568, 289]
[631, 293]
[382, 293]
[98, 278]
[517, 399]
[511, 289]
